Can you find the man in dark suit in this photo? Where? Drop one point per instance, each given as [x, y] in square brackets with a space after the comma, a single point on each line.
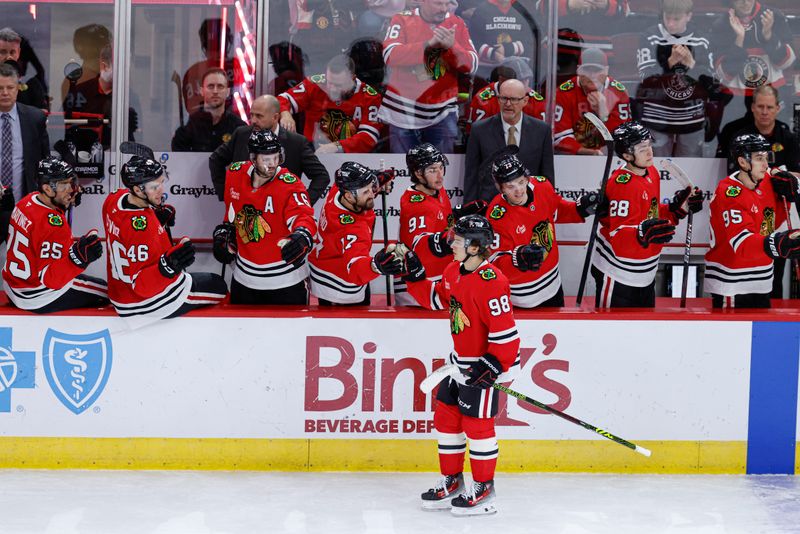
[300, 158]
[23, 143]
[509, 127]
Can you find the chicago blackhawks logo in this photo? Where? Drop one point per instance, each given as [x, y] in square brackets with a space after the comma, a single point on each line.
[679, 86]
[487, 274]
[652, 213]
[544, 235]
[417, 198]
[346, 218]
[55, 219]
[616, 85]
[236, 165]
[534, 95]
[586, 134]
[733, 191]
[434, 66]
[540, 178]
[566, 86]
[336, 125]
[458, 319]
[768, 224]
[251, 225]
[623, 178]
[139, 222]
[755, 71]
[287, 178]
[497, 212]
[486, 94]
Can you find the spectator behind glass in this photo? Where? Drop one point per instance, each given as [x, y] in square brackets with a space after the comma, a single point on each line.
[213, 125]
[502, 29]
[211, 45]
[425, 50]
[88, 41]
[374, 21]
[33, 91]
[591, 90]
[753, 48]
[341, 111]
[675, 64]
[324, 28]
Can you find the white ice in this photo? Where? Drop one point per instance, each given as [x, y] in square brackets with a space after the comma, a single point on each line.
[186, 502]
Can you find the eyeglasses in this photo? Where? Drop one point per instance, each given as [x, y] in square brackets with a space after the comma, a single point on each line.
[511, 99]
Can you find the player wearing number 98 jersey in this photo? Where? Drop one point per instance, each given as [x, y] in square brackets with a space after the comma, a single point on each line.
[147, 275]
[44, 269]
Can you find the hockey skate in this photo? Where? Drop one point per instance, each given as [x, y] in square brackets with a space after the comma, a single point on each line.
[478, 501]
[439, 497]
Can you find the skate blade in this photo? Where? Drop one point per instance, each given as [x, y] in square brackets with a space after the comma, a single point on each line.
[486, 508]
[433, 506]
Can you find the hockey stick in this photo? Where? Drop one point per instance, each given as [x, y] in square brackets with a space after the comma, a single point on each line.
[674, 170]
[388, 278]
[132, 148]
[609, 140]
[177, 79]
[795, 263]
[453, 370]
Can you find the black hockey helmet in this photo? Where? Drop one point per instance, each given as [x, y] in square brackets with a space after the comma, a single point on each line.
[421, 156]
[51, 170]
[264, 142]
[746, 144]
[506, 166]
[475, 229]
[352, 176]
[629, 134]
[139, 170]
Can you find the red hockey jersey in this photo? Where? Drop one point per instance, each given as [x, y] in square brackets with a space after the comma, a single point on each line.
[485, 104]
[263, 217]
[617, 251]
[341, 263]
[38, 269]
[423, 83]
[572, 130]
[481, 315]
[532, 223]
[352, 122]
[135, 241]
[736, 264]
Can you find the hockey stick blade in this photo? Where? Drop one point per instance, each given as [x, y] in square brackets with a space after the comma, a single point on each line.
[675, 171]
[597, 123]
[433, 379]
[133, 148]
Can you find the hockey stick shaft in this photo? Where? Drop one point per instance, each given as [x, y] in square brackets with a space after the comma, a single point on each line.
[686, 251]
[386, 244]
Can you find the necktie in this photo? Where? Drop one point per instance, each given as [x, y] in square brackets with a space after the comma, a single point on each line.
[512, 135]
[6, 167]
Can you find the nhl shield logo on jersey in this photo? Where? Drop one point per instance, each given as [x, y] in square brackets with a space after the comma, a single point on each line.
[287, 178]
[458, 319]
[497, 212]
[251, 225]
[487, 274]
[139, 222]
[77, 366]
[733, 191]
[55, 219]
[235, 166]
[623, 178]
[346, 218]
[417, 198]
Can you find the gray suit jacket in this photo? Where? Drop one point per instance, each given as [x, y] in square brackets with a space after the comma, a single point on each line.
[35, 143]
[486, 139]
[300, 159]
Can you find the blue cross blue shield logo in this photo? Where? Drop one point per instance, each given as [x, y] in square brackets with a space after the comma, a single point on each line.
[77, 366]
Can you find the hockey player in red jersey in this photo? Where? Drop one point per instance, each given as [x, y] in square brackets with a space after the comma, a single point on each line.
[341, 111]
[523, 217]
[636, 225]
[341, 264]
[592, 90]
[147, 276]
[44, 269]
[747, 208]
[269, 227]
[485, 347]
[426, 215]
[425, 50]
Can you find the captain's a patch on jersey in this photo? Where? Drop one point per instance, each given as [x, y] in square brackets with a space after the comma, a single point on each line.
[487, 274]
[139, 222]
[235, 166]
[346, 218]
[288, 178]
[55, 219]
[497, 212]
[733, 191]
[623, 178]
[417, 198]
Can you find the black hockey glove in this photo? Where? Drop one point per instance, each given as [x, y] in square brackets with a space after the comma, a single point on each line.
[676, 205]
[587, 204]
[483, 373]
[224, 247]
[86, 249]
[438, 244]
[655, 231]
[298, 247]
[414, 268]
[786, 185]
[476, 207]
[165, 213]
[695, 201]
[176, 259]
[78, 197]
[387, 263]
[783, 244]
[528, 257]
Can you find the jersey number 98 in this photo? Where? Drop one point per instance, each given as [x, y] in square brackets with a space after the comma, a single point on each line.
[499, 306]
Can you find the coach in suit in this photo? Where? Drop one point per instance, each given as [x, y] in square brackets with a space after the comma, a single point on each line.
[300, 157]
[23, 143]
[509, 127]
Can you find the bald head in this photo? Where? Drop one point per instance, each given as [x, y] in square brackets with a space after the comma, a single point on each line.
[264, 112]
[513, 96]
